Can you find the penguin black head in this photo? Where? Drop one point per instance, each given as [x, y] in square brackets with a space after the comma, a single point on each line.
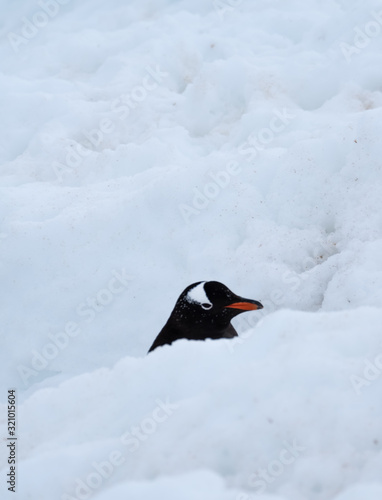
[204, 310]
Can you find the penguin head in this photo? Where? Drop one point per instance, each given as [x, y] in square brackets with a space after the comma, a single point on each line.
[211, 302]
[204, 310]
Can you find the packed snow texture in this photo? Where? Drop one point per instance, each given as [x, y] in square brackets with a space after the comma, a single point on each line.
[150, 144]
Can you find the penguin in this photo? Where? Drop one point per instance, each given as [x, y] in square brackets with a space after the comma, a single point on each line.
[204, 310]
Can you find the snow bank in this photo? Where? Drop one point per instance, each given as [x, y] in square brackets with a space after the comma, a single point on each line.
[292, 409]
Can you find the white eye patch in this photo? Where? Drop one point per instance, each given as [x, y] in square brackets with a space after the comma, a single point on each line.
[199, 296]
[206, 306]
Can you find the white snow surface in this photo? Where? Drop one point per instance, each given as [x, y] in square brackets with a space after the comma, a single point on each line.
[198, 294]
[147, 145]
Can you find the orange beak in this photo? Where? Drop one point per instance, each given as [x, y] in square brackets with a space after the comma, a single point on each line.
[246, 306]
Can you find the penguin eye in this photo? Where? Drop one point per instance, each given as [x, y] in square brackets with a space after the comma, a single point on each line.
[206, 306]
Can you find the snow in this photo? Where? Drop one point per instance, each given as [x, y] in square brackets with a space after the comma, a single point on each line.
[198, 294]
[147, 145]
